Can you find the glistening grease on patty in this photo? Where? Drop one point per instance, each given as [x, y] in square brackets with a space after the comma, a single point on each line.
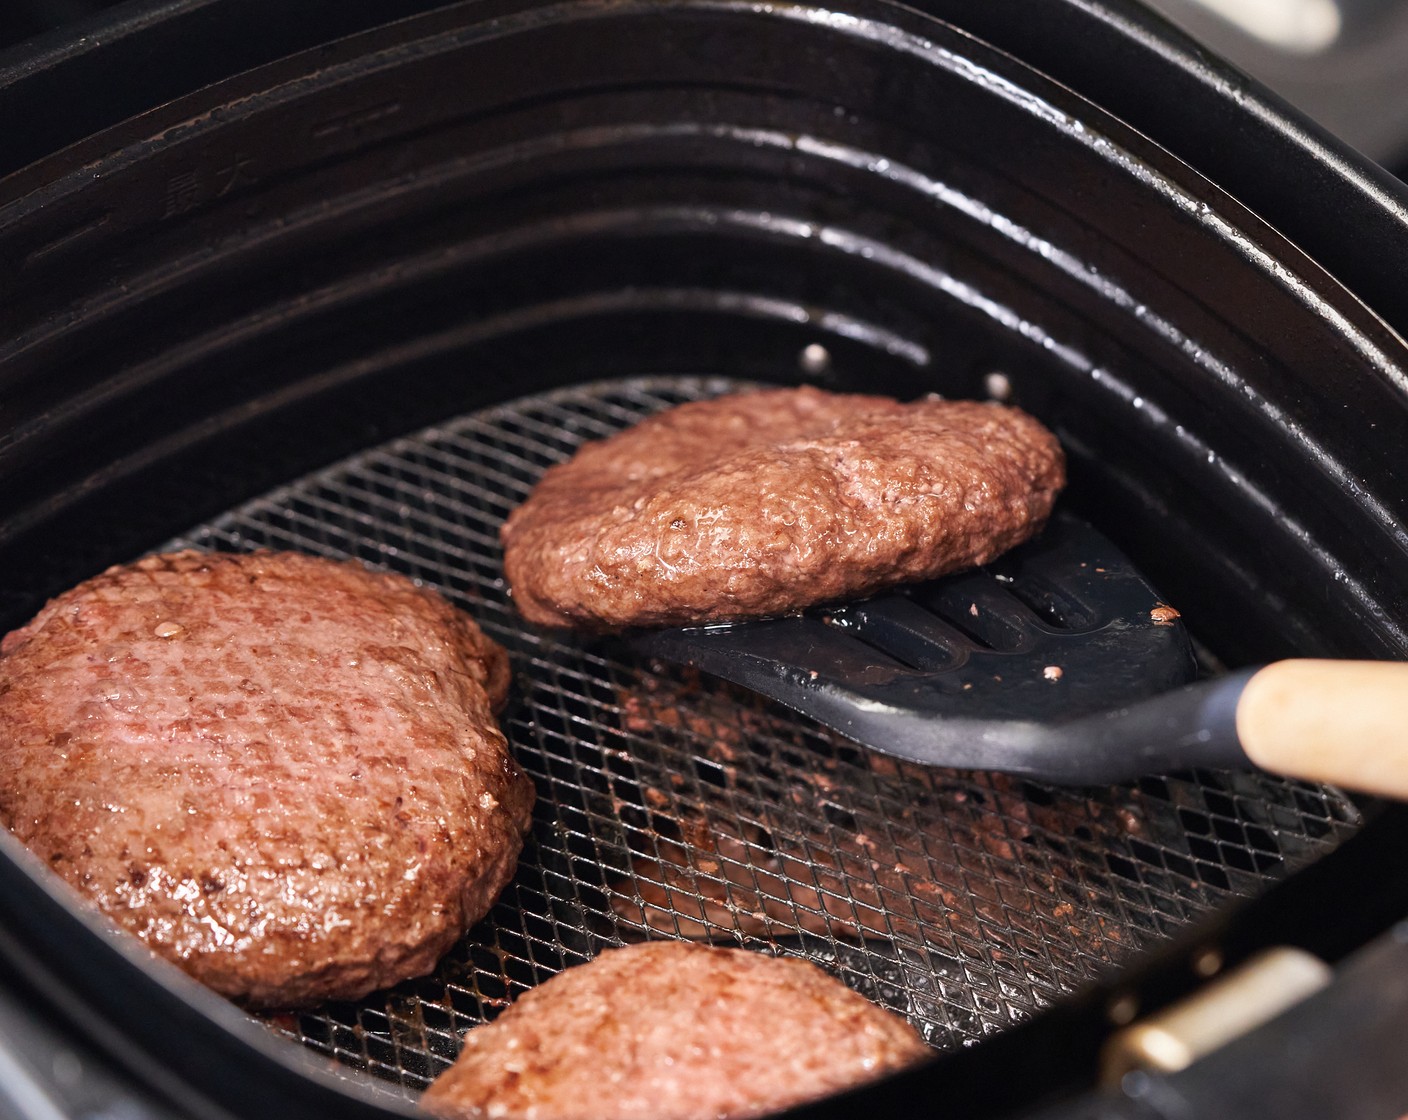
[766, 503]
[283, 773]
[669, 1031]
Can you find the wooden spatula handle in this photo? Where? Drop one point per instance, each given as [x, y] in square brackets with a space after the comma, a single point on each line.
[1343, 722]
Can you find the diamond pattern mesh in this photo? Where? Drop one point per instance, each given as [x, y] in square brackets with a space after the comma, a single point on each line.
[674, 806]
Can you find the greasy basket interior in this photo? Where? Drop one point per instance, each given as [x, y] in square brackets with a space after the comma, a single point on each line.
[670, 806]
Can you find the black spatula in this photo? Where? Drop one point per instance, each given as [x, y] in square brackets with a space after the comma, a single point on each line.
[1059, 662]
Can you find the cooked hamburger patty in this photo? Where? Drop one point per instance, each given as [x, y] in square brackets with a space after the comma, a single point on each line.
[282, 773]
[765, 503]
[669, 1031]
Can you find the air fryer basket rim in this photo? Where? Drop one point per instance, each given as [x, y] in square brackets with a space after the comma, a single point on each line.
[964, 1074]
[1122, 55]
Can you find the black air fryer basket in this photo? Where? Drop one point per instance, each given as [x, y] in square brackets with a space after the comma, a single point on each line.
[306, 279]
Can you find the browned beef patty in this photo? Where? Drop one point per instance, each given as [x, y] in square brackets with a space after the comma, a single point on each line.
[668, 1031]
[282, 773]
[765, 503]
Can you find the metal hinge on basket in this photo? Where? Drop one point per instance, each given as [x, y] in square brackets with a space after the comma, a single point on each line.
[1271, 982]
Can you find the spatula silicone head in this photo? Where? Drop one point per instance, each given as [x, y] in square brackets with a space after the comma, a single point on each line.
[1059, 662]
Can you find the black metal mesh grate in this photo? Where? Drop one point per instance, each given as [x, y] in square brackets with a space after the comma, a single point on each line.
[672, 806]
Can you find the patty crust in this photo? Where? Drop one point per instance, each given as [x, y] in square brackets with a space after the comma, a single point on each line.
[673, 1031]
[764, 503]
[283, 773]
